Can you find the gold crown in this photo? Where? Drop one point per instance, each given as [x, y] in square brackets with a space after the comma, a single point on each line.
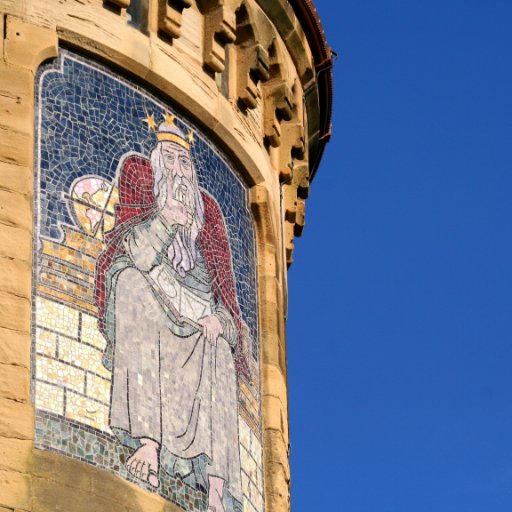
[175, 135]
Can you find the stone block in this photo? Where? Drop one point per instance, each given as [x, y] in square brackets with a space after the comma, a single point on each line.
[127, 495]
[270, 345]
[16, 98]
[53, 496]
[15, 242]
[267, 265]
[15, 146]
[16, 420]
[28, 45]
[282, 15]
[268, 285]
[14, 312]
[14, 382]
[62, 470]
[277, 449]
[15, 209]
[15, 454]
[14, 347]
[274, 414]
[15, 490]
[274, 383]
[15, 277]
[15, 178]
[146, 502]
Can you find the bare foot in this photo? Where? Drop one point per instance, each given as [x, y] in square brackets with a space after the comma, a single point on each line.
[144, 462]
[215, 492]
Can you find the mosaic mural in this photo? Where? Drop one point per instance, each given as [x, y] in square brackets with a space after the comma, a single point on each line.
[145, 314]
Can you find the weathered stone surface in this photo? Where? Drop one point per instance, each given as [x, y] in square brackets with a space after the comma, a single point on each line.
[15, 454]
[14, 382]
[274, 413]
[170, 16]
[15, 146]
[2, 31]
[15, 277]
[16, 98]
[274, 383]
[52, 496]
[277, 448]
[15, 178]
[67, 472]
[27, 45]
[16, 419]
[15, 490]
[14, 347]
[15, 209]
[15, 242]
[14, 312]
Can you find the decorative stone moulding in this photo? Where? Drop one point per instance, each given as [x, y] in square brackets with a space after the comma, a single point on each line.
[170, 16]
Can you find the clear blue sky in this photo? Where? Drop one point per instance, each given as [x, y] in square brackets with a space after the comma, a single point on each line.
[399, 328]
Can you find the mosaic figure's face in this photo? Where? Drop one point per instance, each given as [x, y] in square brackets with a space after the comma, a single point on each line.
[177, 160]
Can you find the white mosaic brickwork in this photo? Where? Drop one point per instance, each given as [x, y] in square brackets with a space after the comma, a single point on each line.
[252, 468]
[70, 378]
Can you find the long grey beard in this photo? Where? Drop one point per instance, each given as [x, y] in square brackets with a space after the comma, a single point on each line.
[182, 252]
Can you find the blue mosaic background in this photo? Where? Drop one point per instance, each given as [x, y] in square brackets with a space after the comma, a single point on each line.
[89, 118]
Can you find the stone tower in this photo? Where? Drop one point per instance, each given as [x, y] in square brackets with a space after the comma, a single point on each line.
[155, 159]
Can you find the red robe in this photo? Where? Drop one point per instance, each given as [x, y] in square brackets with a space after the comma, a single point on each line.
[138, 204]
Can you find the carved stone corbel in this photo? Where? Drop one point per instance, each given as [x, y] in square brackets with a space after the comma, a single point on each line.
[303, 184]
[292, 146]
[300, 217]
[254, 37]
[294, 206]
[219, 30]
[170, 14]
[252, 67]
[279, 105]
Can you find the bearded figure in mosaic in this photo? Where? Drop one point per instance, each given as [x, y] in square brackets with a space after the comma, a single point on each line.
[168, 308]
